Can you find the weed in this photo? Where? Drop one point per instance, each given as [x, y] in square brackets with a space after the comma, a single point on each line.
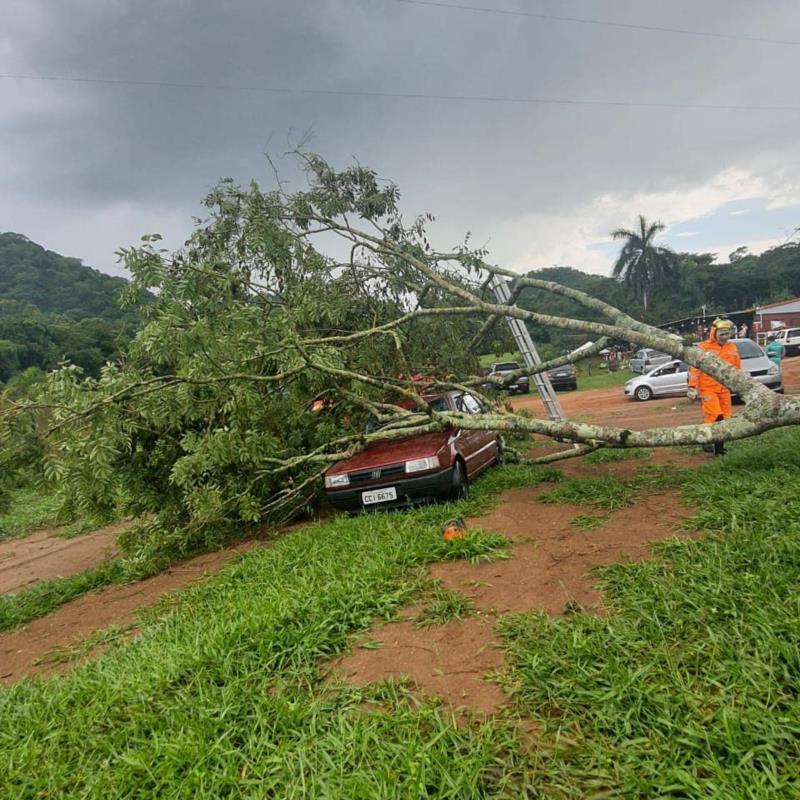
[606, 492]
[444, 606]
[106, 636]
[41, 598]
[608, 455]
[588, 522]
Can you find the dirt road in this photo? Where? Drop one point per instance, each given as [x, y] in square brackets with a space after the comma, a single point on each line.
[611, 407]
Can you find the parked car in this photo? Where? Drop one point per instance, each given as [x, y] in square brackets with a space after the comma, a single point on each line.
[671, 378]
[501, 370]
[668, 379]
[400, 472]
[644, 360]
[790, 339]
[563, 377]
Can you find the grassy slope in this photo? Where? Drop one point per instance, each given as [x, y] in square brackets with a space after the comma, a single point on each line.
[29, 510]
[223, 696]
[689, 688]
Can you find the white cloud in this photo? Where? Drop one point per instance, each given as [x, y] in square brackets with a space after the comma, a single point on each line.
[580, 239]
[755, 247]
[737, 213]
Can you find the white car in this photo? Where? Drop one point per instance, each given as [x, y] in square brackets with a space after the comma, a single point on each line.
[790, 339]
[671, 378]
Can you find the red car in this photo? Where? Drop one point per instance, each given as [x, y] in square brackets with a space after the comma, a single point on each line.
[400, 472]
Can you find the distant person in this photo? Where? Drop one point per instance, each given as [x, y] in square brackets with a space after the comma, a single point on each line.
[715, 398]
[775, 350]
[743, 329]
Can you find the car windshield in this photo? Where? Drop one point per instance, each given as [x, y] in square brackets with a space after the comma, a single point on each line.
[505, 366]
[436, 404]
[748, 349]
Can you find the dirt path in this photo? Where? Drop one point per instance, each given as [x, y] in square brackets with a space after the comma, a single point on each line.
[611, 407]
[549, 570]
[79, 619]
[43, 555]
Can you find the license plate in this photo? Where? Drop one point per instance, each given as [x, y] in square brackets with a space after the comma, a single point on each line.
[379, 496]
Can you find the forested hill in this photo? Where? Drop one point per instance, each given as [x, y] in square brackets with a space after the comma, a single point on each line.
[698, 280]
[55, 283]
[54, 309]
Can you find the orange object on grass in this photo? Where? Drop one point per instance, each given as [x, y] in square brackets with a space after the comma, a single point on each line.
[453, 529]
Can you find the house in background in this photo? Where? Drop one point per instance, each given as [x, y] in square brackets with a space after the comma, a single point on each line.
[774, 316]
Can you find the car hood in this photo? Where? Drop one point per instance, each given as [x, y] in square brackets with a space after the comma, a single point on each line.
[757, 363]
[380, 454]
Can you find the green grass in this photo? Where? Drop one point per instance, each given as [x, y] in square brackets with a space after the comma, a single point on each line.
[30, 509]
[222, 697]
[588, 522]
[444, 606]
[601, 379]
[689, 687]
[606, 492]
[608, 455]
[42, 598]
[490, 358]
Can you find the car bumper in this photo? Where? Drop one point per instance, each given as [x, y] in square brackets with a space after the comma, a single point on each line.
[409, 491]
[563, 381]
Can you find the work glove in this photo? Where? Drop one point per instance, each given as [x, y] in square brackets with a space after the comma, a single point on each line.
[692, 393]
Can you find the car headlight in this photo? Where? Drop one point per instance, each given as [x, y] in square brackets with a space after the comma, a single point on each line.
[421, 464]
[335, 481]
[773, 370]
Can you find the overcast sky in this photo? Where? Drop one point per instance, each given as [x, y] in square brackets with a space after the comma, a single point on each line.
[88, 167]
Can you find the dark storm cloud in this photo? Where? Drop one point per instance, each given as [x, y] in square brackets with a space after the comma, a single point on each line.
[73, 150]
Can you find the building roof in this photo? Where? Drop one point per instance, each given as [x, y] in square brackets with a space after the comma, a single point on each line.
[784, 307]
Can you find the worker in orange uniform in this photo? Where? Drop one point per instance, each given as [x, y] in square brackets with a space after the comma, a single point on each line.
[715, 397]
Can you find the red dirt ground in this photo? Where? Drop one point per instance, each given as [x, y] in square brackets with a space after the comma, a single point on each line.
[79, 619]
[42, 555]
[550, 565]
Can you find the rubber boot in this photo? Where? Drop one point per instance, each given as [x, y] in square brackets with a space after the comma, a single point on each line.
[719, 447]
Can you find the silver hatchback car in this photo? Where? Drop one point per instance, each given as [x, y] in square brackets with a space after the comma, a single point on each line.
[645, 359]
[671, 378]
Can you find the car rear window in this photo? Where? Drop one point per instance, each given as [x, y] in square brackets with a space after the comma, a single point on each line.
[748, 349]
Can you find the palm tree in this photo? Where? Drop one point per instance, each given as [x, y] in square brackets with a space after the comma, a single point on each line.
[641, 265]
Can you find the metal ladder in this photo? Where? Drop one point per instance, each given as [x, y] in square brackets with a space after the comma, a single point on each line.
[532, 359]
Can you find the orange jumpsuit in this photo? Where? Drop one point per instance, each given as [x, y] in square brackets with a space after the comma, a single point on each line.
[715, 397]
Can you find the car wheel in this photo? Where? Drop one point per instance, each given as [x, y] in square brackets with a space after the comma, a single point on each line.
[525, 389]
[574, 387]
[643, 393]
[500, 452]
[459, 485]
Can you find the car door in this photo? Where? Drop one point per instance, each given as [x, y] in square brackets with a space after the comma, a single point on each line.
[472, 444]
[668, 379]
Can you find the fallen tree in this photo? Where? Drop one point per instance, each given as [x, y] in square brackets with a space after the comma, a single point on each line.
[277, 300]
